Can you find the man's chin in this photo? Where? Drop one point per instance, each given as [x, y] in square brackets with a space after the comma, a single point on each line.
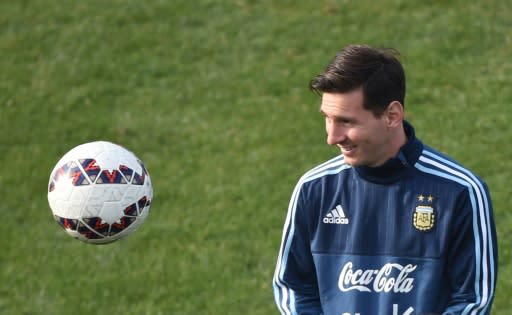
[350, 160]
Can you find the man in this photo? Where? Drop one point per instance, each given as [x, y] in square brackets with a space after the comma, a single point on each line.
[390, 226]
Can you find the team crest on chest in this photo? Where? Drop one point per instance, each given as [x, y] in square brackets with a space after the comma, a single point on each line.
[424, 217]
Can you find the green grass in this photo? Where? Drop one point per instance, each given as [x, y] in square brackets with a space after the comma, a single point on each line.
[212, 96]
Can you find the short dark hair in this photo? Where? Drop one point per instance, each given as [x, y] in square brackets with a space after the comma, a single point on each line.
[377, 71]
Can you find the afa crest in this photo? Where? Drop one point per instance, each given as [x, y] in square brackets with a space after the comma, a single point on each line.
[424, 218]
[424, 215]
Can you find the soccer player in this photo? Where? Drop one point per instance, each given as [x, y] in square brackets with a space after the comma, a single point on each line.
[390, 226]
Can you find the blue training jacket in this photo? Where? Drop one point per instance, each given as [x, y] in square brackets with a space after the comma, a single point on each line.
[414, 236]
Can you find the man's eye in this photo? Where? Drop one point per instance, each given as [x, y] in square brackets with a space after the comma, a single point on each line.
[343, 121]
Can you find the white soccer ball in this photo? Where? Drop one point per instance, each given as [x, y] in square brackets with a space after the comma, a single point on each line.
[99, 192]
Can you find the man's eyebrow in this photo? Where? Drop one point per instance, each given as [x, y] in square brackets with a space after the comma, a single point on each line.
[338, 117]
[321, 111]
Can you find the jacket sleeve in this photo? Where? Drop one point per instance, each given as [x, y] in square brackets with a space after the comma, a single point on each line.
[295, 283]
[472, 264]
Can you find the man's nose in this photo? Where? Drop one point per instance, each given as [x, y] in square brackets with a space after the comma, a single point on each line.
[335, 134]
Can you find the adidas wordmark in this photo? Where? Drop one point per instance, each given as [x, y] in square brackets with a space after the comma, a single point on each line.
[336, 216]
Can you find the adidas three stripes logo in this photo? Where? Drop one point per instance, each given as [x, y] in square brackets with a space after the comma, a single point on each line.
[336, 216]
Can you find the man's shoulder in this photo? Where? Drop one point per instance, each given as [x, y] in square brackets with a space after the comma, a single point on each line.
[330, 167]
[442, 165]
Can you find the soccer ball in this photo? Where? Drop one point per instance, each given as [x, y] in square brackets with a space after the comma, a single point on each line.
[99, 192]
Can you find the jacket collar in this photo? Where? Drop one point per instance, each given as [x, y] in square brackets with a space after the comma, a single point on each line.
[396, 167]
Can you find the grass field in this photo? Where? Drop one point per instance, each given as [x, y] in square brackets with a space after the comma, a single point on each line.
[212, 96]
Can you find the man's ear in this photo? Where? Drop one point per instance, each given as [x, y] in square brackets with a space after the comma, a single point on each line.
[394, 114]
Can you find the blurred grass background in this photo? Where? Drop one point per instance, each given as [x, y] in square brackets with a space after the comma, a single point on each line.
[213, 97]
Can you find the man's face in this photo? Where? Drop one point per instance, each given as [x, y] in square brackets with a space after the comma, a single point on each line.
[363, 139]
